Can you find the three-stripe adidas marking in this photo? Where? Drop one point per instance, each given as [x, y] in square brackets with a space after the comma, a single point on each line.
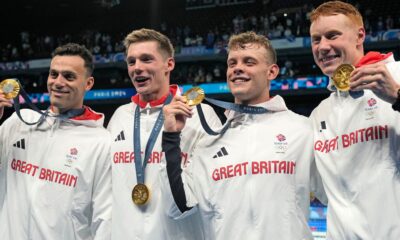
[222, 152]
[20, 144]
[120, 137]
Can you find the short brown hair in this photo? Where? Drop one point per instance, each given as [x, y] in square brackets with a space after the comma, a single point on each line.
[145, 35]
[240, 40]
[74, 49]
[338, 7]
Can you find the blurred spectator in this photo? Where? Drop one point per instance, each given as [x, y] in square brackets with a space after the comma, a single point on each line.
[287, 70]
[28, 45]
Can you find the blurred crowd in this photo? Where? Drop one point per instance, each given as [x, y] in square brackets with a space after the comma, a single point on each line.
[284, 23]
[287, 23]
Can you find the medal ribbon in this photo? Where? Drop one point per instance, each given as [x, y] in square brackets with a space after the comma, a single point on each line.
[17, 106]
[227, 105]
[139, 166]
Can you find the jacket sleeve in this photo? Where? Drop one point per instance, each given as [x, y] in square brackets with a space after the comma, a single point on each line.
[102, 195]
[303, 167]
[317, 187]
[185, 182]
[8, 127]
[170, 145]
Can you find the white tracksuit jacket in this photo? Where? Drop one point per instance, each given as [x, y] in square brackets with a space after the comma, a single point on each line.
[149, 222]
[253, 182]
[357, 150]
[55, 178]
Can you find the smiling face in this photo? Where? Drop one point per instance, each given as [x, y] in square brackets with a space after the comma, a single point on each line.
[67, 82]
[249, 74]
[149, 69]
[335, 39]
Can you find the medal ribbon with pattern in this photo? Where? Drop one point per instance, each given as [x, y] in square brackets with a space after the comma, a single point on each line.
[196, 95]
[12, 89]
[140, 193]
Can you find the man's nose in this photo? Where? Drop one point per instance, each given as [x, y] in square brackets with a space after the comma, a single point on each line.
[324, 44]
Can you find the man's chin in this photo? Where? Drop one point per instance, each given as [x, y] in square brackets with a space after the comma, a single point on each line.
[240, 94]
[142, 90]
[56, 103]
[328, 71]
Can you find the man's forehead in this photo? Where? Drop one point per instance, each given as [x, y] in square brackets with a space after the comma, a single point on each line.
[331, 21]
[245, 46]
[247, 50]
[144, 47]
[67, 63]
[68, 60]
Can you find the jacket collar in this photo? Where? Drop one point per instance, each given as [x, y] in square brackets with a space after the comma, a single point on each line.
[136, 99]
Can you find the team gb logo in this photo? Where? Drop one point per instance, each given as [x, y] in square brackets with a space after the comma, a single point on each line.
[371, 102]
[281, 137]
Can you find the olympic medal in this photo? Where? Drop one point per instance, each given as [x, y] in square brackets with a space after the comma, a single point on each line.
[140, 194]
[10, 88]
[341, 77]
[194, 96]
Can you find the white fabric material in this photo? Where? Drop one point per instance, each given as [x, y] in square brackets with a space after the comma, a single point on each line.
[358, 157]
[253, 182]
[150, 221]
[55, 179]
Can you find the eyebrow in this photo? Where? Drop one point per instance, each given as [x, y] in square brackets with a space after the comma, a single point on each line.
[147, 55]
[52, 70]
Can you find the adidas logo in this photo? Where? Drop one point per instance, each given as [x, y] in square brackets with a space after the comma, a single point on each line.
[120, 137]
[221, 153]
[20, 144]
[323, 126]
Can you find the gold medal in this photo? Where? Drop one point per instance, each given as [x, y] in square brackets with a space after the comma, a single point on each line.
[10, 88]
[140, 194]
[341, 77]
[194, 96]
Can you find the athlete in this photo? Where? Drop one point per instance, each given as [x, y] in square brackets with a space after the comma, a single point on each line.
[150, 60]
[356, 132]
[252, 182]
[55, 176]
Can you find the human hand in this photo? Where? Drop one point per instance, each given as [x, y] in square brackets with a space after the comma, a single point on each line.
[377, 78]
[4, 102]
[175, 114]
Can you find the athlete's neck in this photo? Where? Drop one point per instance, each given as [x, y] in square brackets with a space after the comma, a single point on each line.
[58, 110]
[252, 101]
[153, 96]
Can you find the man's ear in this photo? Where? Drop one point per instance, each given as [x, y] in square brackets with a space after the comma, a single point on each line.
[89, 83]
[170, 64]
[273, 72]
[360, 36]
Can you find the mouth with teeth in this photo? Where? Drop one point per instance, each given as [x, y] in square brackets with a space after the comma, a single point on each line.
[240, 79]
[141, 79]
[56, 92]
[328, 59]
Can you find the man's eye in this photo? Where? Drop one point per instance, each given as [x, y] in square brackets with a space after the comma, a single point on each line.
[53, 75]
[332, 36]
[315, 40]
[69, 76]
[231, 64]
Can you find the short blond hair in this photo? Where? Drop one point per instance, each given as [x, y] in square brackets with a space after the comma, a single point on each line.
[238, 41]
[146, 35]
[337, 7]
